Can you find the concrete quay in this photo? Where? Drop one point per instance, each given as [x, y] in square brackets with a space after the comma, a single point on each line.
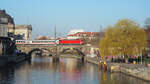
[139, 71]
[135, 70]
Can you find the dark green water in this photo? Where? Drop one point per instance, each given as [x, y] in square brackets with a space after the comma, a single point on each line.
[68, 71]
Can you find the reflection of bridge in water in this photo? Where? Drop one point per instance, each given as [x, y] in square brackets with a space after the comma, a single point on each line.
[53, 50]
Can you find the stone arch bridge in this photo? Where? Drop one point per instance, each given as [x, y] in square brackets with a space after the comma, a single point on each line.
[53, 49]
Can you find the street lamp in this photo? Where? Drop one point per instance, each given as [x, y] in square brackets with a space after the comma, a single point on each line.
[55, 42]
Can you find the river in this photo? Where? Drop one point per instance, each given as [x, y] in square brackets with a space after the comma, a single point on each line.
[42, 70]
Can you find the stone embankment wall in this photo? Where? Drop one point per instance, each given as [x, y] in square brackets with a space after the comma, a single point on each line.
[135, 70]
[139, 71]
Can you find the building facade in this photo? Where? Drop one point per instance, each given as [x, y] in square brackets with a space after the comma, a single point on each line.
[21, 31]
[5, 19]
[9, 29]
[3, 30]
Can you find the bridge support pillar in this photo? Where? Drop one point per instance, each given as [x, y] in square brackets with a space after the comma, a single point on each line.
[83, 59]
[55, 58]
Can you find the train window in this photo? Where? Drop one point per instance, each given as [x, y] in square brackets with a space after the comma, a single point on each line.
[33, 41]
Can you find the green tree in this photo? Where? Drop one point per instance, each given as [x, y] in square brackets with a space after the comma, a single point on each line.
[125, 38]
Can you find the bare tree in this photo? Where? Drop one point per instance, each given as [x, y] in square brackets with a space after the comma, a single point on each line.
[147, 23]
[43, 38]
[147, 30]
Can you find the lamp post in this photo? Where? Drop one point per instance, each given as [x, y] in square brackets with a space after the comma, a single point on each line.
[141, 58]
[55, 43]
[56, 57]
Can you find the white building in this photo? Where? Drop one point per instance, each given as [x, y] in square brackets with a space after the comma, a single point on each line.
[85, 35]
[72, 33]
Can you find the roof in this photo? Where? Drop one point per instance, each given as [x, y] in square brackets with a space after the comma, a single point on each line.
[3, 14]
[72, 35]
[10, 26]
[88, 34]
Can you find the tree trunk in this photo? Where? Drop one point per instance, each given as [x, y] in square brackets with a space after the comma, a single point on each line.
[126, 59]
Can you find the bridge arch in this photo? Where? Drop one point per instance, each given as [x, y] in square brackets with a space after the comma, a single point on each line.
[41, 51]
[49, 50]
[33, 50]
[73, 49]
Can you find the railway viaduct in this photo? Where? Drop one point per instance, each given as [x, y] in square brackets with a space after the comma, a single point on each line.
[53, 49]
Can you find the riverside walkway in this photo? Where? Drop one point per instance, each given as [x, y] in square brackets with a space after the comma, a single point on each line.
[141, 71]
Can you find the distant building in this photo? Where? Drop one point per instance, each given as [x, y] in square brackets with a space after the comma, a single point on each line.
[5, 19]
[72, 36]
[85, 35]
[21, 31]
[42, 38]
[74, 31]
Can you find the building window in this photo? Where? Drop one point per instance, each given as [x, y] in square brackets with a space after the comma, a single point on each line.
[3, 20]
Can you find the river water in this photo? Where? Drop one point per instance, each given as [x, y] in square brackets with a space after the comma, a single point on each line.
[42, 70]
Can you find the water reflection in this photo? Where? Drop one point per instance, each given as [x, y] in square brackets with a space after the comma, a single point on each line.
[119, 78]
[42, 70]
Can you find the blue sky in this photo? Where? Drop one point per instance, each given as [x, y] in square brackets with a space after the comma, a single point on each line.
[74, 14]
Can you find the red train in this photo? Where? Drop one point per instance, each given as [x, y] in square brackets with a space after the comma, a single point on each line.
[70, 41]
